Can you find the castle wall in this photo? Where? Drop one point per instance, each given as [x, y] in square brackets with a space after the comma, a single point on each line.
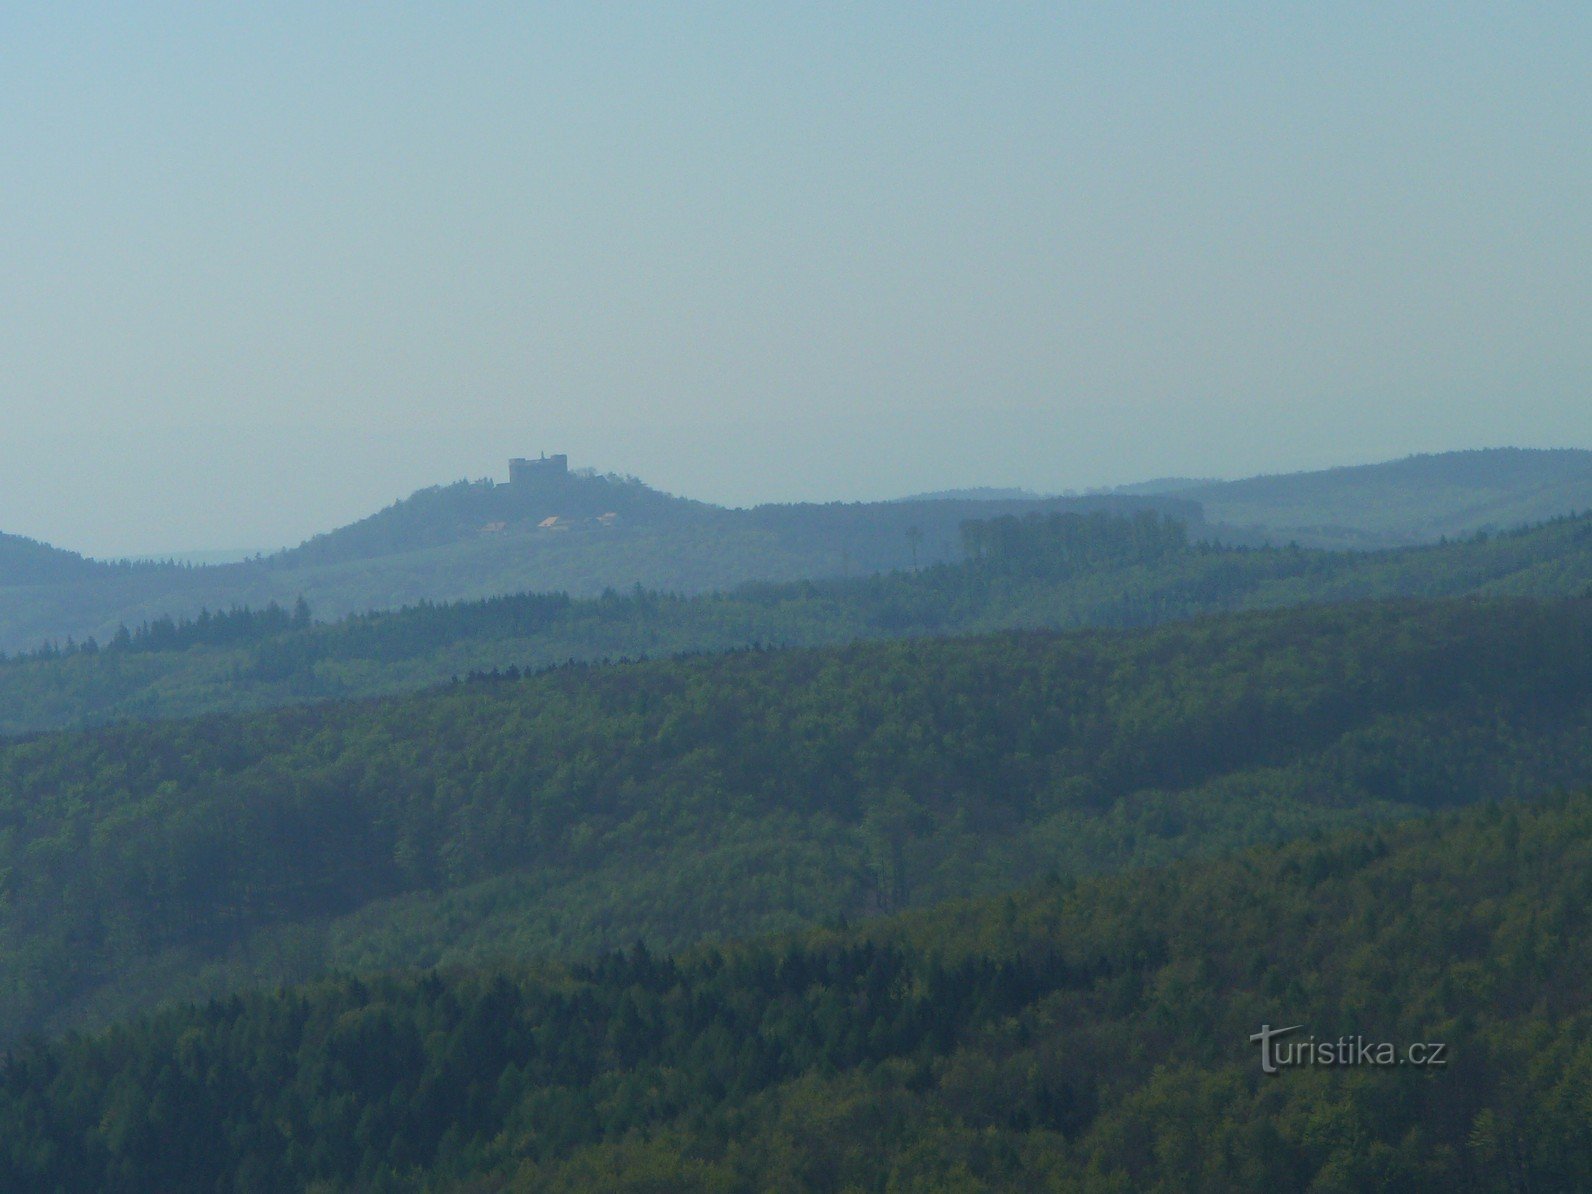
[523, 471]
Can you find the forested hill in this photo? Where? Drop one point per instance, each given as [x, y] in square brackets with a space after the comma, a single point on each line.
[29, 562]
[693, 798]
[1088, 1036]
[1419, 499]
[576, 534]
[466, 510]
[1059, 570]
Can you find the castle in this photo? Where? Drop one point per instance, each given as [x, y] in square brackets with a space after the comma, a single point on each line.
[529, 472]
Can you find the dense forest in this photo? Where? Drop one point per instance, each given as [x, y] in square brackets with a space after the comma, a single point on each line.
[1094, 1035]
[1056, 570]
[698, 797]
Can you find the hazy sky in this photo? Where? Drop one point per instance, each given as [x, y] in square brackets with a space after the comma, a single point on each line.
[267, 268]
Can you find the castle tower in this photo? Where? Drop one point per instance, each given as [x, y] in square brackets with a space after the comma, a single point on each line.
[546, 468]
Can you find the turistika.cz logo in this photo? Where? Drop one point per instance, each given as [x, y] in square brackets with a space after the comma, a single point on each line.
[1276, 1054]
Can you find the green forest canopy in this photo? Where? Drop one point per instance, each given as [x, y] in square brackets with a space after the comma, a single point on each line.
[700, 797]
[1092, 1035]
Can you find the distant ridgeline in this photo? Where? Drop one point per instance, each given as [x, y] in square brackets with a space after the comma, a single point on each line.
[545, 494]
[548, 529]
[552, 530]
[1052, 570]
[1419, 499]
[1049, 545]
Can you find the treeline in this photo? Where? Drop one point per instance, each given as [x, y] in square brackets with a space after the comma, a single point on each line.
[682, 799]
[26, 561]
[222, 628]
[1094, 1035]
[413, 631]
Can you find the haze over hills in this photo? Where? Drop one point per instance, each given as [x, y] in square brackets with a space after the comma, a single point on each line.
[548, 529]
[1418, 499]
[982, 493]
[1163, 485]
[552, 529]
[545, 496]
[1399, 503]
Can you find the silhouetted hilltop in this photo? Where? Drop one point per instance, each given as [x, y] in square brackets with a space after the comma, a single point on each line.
[551, 499]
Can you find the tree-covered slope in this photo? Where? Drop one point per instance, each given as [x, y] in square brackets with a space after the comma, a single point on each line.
[445, 514]
[1415, 500]
[1059, 570]
[1090, 1036]
[692, 798]
[28, 562]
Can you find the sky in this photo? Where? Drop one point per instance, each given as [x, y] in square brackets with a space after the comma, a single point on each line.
[265, 269]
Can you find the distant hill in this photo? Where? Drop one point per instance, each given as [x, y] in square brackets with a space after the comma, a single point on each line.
[468, 510]
[29, 562]
[1401, 503]
[1419, 499]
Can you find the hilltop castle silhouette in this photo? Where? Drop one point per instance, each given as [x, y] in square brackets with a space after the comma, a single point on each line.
[546, 468]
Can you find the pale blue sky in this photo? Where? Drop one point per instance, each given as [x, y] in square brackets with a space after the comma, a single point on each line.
[267, 268]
